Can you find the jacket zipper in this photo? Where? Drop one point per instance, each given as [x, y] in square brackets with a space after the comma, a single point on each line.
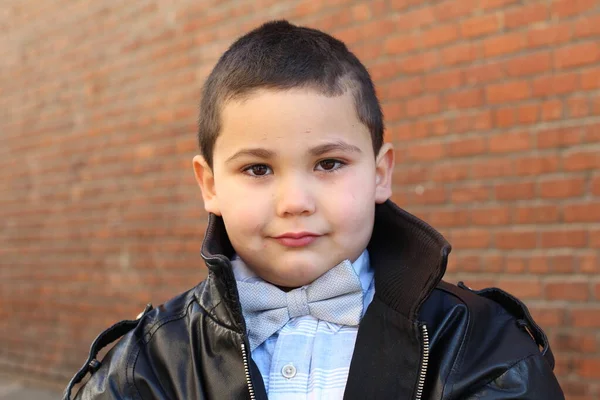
[424, 363]
[247, 372]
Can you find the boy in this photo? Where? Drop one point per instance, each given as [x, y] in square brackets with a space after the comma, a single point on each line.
[318, 285]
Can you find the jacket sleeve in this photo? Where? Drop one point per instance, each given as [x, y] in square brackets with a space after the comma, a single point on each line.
[529, 379]
[507, 353]
[109, 378]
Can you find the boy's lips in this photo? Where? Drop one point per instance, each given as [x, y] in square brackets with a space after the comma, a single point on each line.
[297, 239]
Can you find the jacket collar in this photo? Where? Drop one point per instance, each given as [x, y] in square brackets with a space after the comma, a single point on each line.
[409, 258]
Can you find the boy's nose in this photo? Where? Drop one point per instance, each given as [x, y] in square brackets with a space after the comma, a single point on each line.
[294, 197]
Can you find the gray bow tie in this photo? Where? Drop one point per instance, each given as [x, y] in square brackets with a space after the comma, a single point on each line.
[336, 297]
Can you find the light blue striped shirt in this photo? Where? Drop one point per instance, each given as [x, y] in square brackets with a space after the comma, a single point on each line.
[308, 358]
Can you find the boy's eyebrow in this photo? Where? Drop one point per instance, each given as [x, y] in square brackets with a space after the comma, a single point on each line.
[253, 152]
[339, 145]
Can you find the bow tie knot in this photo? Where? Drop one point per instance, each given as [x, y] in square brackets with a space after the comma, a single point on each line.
[336, 296]
[297, 303]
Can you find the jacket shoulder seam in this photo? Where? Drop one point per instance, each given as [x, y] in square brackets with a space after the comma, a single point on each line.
[148, 335]
[448, 385]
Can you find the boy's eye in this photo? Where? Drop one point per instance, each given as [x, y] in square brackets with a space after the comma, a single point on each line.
[257, 170]
[329, 165]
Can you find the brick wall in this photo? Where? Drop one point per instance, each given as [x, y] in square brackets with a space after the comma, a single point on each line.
[493, 106]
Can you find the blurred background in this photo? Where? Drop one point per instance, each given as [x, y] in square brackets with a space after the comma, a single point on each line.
[493, 107]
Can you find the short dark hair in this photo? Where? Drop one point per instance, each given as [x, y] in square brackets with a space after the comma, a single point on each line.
[280, 56]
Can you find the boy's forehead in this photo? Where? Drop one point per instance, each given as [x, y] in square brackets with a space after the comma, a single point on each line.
[269, 116]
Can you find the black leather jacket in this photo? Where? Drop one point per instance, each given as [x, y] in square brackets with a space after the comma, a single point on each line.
[420, 338]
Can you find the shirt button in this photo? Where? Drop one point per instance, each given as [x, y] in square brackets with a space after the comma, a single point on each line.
[288, 371]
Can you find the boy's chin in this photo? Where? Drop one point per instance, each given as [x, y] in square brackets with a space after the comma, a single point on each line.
[297, 275]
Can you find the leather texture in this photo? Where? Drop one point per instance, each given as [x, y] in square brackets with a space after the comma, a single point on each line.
[482, 345]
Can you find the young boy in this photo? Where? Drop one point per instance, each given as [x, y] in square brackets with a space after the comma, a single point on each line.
[318, 286]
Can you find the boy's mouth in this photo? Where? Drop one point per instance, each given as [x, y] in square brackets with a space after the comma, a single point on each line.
[297, 239]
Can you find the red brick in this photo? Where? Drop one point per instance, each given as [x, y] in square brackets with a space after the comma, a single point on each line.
[548, 316]
[510, 142]
[562, 188]
[491, 216]
[530, 64]
[409, 174]
[479, 25]
[591, 133]
[567, 8]
[491, 4]
[439, 35]
[555, 84]
[595, 185]
[470, 238]
[444, 80]
[470, 193]
[419, 63]
[368, 52]
[563, 137]
[539, 264]
[506, 92]
[418, 18]
[399, 44]
[525, 15]
[460, 53]
[361, 12]
[504, 44]
[542, 214]
[425, 151]
[564, 238]
[514, 190]
[576, 55]
[428, 104]
[575, 341]
[488, 72]
[464, 98]
[528, 113]
[408, 131]
[581, 160]
[590, 264]
[590, 79]
[451, 9]
[383, 70]
[578, 107]
[438, 126]
[450, 172]
[448, 218]
[582, 212]
[587, 26]
[407, 87]
[428, 196]
[466, 147]
[504, 117]
[548, 35]
[492, 167]
[551, 110]
[468, 263]
[516, 239]
[515, 264]
[574, 291]
[589, 368]
[393, 111]
[523, 288]
[586, 317]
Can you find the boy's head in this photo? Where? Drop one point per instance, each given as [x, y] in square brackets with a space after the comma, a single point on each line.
[291, 136]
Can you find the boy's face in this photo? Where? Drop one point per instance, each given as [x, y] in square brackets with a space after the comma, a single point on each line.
[296, 181]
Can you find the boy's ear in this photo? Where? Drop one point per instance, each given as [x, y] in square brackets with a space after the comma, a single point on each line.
[206, 181]
[384, 167]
